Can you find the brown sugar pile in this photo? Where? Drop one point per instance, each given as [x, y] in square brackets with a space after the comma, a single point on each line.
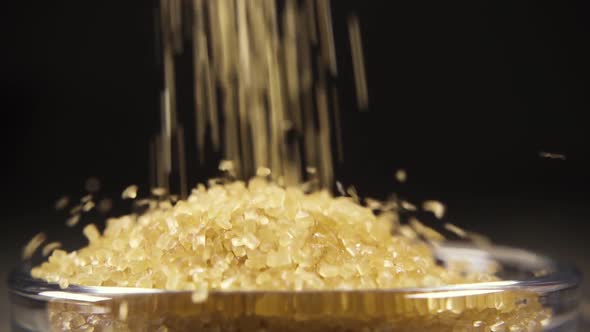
[254, 236]
[261, 236]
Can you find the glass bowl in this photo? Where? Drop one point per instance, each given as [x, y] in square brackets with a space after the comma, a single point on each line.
[535, 294]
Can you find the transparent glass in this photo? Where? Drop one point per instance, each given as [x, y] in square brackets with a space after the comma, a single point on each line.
[532, 286]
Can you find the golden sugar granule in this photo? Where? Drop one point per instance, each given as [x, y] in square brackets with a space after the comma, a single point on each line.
[340, 188]
[159, 192]
[143, 202]
[263, 171]
[73, 220]
[401, 175]
[550, 155]
[131, 192]
[91, 233]
[63, 283]
[61, 203]
[88, 206]
[408, 232]
[76, 209]
[351, 191]
[455, 230]
[33, 245]
[435, 207]
[425, 231]
[226, 166]
[123, 311]
[199, 296]
[408, 206]
[499, 327]
[50, 247]
[373, 204]
[105, 205]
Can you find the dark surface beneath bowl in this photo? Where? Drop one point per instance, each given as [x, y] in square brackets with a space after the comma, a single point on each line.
[553, 228]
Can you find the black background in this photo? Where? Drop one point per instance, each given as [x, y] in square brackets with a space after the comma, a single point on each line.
[464, 95]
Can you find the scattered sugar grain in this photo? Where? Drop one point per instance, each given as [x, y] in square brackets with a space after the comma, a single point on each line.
[435, 207]
[159, 192]
[455, 230]
[105, 205]
[91, 233]
[226, 166]
[62, 203]
[88, 206]
[131, 192]
[76, 209]
[408, 206]
[340, 188]
[263, 171]
[50, 247]
[33, 245]
[401, 175]
[73, 220]
[123, 311]
[64, 283]
[199, 296]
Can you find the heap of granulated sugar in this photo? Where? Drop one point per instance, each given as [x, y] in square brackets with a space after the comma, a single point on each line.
[254, 236]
